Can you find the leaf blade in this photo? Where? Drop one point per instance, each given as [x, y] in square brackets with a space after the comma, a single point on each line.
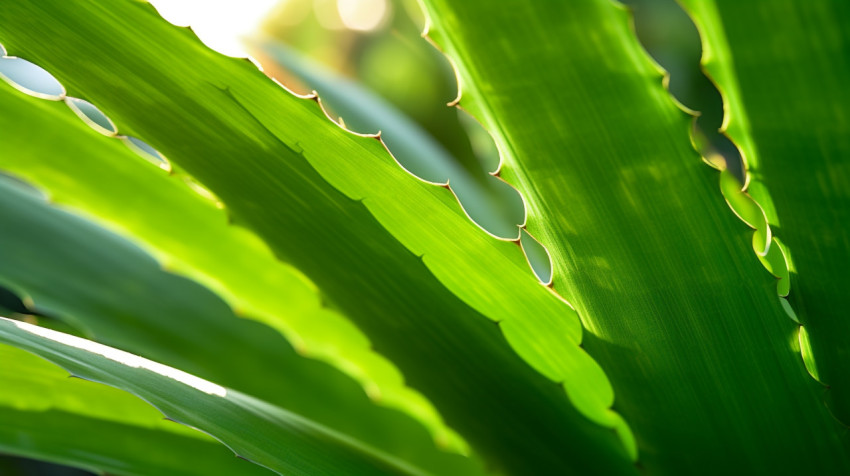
[48, 416]
[119, 296]
[659, 269]
[475, 361]
[254, 429]
[781, 94]
[119, 190]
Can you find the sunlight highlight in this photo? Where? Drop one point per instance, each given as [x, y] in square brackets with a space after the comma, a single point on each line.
[220, 24]
[362, 15]
[124, 358]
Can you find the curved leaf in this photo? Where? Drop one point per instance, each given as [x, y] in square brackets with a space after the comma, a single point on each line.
[256, 147]
[255, 430]
[783, 70]
[121, 297]
[48, 416]
[488, 201]
[188, 233]
[680, 314]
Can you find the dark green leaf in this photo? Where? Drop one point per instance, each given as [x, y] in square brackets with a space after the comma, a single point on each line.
[680, 313]
[784, 71]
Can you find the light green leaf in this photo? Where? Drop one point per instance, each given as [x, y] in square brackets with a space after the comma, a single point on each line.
[680, 314]
[783, 70]
[48, 416]
[188, 234]
[340, 209]
[255, 430]
[488, 201]
[119, 296]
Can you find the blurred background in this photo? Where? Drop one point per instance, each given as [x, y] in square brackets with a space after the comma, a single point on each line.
[374, 71]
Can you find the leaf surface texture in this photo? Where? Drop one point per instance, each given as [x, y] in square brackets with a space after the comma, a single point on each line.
[679, 312]
[48, 416]
[783, 68]
[338, 208]
[254, 429]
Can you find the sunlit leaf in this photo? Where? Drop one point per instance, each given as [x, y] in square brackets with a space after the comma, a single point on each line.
[341, 210]
[142, 309]
[487, 200]
[255, 430]
[188, 233]
[48, 416]
[680, 313]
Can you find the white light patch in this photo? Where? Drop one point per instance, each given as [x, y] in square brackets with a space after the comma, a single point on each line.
[124, 358]
[362, 15]
[220, 24]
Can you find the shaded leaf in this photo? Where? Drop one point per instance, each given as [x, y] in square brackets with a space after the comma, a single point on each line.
[783, 70]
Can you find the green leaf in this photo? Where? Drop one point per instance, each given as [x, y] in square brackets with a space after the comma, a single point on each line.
[188, 234]
[680, 313]
[488, 201]
[48, 416]
[310, 190]
[255, 430]
[105, 178]
[783, 71]
[139, 308]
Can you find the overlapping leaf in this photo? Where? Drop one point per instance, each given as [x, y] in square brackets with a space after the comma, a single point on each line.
[680, 313]
[279, 168]
[120, 297]
[491, 203]
[783, 70]
[48, 416]
[255, 430]
[190, 235]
